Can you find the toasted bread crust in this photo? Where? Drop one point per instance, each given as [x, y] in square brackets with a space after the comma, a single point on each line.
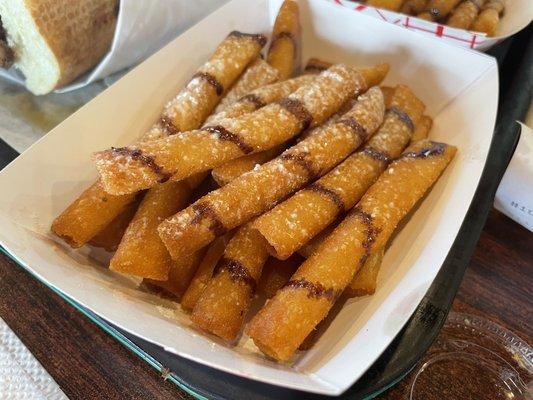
[79, 32]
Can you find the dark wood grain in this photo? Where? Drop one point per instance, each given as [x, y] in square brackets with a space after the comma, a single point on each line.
[498, 284]
[85, 362]
[89, 364]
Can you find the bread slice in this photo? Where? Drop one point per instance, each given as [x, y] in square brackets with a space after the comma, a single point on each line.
[55, 41]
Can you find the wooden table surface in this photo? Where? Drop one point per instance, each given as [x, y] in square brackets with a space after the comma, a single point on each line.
[89, 364]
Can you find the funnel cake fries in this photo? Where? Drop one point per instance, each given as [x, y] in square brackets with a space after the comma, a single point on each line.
[128, 169]
[141, 252]
[489, 17]
[257, 191]
[465, 14]
[94, 209]
[365, 281]
[179, 276]
[223, 304]
[286, 320]
[204, 272]
[259, 98]
[291, 224]
[189, 109]
[285, 38]
[257, 75]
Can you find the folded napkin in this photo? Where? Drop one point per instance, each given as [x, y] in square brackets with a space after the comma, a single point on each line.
[22, 377]
[514, 197]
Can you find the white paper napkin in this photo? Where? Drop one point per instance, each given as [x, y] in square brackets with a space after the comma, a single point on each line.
[514, 197]
[22, 377]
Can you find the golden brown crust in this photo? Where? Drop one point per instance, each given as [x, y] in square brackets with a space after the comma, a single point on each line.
[79, 32]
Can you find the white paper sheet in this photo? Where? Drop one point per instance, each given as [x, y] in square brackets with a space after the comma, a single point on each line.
[514, 197]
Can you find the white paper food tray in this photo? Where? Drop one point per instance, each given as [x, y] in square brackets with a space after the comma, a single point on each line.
[517, 15]
[460, 88]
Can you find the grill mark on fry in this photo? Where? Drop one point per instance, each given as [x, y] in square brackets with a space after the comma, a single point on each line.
[168, 125]
[315, 67]
[302, 161]
[254, 99]
[204, 211]
[236, 271]
[314, 290]
[377, 155]
[226, 135]
[329, 193]
[371, 232]
[297, 108]
[261, 39]
[436, 149]
[403, 117]
[355, 126]
[210, 79]
[149, 161]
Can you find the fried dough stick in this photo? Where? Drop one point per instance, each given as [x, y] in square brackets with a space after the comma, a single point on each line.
[465, 14]
[223, 304]
[89, 214]
[286, 320]
[197, 100]
[141, 252]
[422, 128]
[489, 17]
[293, 223]
[257, 191]
[94, 209]
[285, 38]
[235, 168]
[128, 169]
